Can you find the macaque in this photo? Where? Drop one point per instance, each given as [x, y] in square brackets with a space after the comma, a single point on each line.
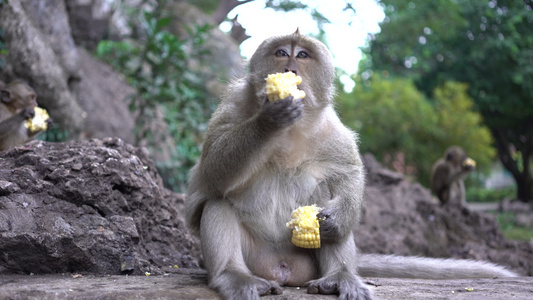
[447, 176]
[17, 103]
[263, 159]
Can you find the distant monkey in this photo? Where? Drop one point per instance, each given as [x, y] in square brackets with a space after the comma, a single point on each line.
[447, 176]
[17, 103]
[261, 160]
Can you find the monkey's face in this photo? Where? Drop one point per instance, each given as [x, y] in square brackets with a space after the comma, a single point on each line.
[302, 55]
[456, 156]
[18, 96]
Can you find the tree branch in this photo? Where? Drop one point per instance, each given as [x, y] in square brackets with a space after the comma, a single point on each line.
[224, 7]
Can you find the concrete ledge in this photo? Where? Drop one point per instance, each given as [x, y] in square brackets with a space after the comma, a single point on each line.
[191, 284]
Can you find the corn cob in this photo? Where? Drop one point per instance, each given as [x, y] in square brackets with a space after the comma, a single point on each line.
[282, 85]
[468, 162]
[305, 227]
[38, 122]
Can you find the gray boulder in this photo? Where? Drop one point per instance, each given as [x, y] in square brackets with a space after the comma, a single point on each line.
[95, 206]
[402, 217]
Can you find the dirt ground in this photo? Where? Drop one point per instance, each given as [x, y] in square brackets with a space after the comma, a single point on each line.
[192, 284]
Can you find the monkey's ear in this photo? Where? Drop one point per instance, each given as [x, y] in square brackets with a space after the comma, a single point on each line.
[5, 96]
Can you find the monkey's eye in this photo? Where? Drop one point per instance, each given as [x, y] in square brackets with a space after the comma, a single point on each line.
[281, 53]
[302, 54]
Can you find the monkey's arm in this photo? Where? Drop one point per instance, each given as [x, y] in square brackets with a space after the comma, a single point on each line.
[11, 125]
[439, 180]
[465, 170]
[444, 175]
[346, 185]
[235, 148]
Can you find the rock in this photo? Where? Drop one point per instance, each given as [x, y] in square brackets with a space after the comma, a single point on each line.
[515, 206]
[102, 93]
[377, 175]
[401, 217]
[224, 62]
[98, 207]
[95, 206]
[187, 284]
[89, 21]
[85, 97]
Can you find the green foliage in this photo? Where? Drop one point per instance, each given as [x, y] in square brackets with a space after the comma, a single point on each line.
[158, 68]
[392, 119]
[511, 230]
[54, 134]
[207, 6]
[285, 5]
[459, 124]
[484, 195]
[408, 132]
[486, 44]
[3, 50]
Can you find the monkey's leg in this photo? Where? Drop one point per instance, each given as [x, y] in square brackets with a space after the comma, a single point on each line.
[222, 244]
[337, 263]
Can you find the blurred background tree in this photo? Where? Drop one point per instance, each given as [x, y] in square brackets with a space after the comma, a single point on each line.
[436, 74]
[486, 44]
[156, 64]
[407, 131]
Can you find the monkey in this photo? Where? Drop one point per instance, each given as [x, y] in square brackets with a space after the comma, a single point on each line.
[17, 103]
[261, 159]
[447, 176]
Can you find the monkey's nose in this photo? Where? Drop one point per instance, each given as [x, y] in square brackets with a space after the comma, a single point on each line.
[294, 71]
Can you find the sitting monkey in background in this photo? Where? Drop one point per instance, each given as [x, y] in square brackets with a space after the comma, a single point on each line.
[447, 176]
[17, 103]
[263, 159]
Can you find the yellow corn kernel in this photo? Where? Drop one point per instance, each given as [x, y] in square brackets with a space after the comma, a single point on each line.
[282, 85]
[305, 227]
[469, 162]
[38, 122]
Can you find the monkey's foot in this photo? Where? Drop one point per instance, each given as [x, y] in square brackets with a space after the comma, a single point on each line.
[238, 285]
[345, 284]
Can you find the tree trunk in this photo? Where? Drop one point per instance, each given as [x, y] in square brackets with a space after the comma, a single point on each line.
[85, 97]
[524, 188]
[522, 176]
[37, 53]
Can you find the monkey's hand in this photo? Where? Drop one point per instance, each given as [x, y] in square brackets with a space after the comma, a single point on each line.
[331, 229]
[49, 123]
[280, 114]
[28, 113]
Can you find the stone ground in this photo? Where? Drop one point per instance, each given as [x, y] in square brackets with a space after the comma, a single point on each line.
[191, 284]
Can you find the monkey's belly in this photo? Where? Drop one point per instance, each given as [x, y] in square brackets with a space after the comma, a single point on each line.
[291, 266]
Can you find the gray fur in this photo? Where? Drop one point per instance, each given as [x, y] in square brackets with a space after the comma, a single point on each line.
[17, 102]
[262, 160]
[375, 265]
[447, 176]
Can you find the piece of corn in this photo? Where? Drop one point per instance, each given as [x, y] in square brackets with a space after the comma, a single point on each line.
[282, 85]
[469, 162]
[305, 227]
[38, 122]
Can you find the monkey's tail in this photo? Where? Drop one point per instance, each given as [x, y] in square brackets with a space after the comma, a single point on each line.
[376, 265]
